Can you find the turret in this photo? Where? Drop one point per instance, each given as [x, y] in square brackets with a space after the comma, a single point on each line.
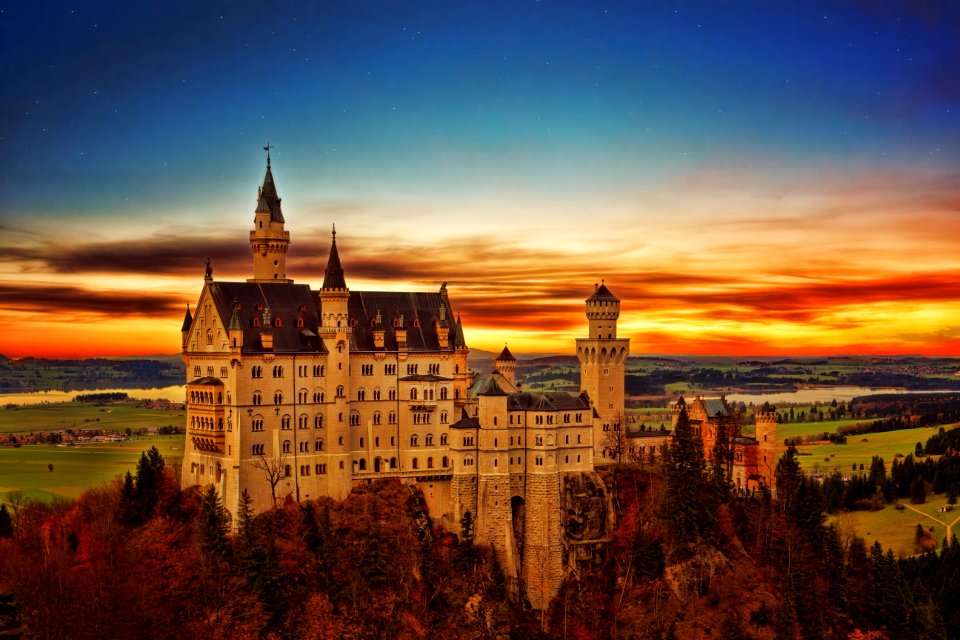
[235, 330]
[506, 365]
[185, 328]
[268, 239]
[603, 309]
[770, 446]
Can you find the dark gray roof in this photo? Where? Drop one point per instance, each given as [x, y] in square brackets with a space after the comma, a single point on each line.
[466, 422]
[268, 200]
[187, 320]
[424, 377]
[656, 433]
[746, 440]
[547, 401]
[506, 355]
[285, 300]
[716, 407]
[333, 275]
[458, 341]
[209, 381]
[415, 308]
[602, 293]
[487, 386]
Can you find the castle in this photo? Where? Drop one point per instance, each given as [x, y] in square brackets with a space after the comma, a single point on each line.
[306, 393]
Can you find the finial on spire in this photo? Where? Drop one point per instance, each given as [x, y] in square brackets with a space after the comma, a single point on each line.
[267, 149]
[334, 232]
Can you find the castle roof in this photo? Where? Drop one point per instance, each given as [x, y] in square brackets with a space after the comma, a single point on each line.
[483, 382]
[650, 433]
[458, 340]
[207, 381]
[333, 274]
[413, 311]
[285, 300]
[602, 293]
[268, 200]
[187, 320]
[547, 401]
[506, 355]
[428, 377]
[745, 441]
[715, 407]
[466, 422]
[487, 386]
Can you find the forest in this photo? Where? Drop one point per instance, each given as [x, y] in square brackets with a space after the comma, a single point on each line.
[688, 558]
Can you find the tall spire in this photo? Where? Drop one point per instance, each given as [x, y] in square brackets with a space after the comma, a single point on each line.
[187, 320]
[333, 274]
[458, 340]
[268, 200]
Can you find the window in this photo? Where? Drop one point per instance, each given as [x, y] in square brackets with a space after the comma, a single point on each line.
[256, 424]
[317, 397]
[443, 393]
[318, 422]
[444, 462]
[443, 440]
[411, 369]
[390, 370]
[257, 398]
[223, 372]
[354, 419]
[361, 442]
[429, 463]
[538, 461]
[428, 440]
[376, 394]
[468, 462]
[196, 371]
[434, 369]
[415, 464]
[363, 464]
[209, 336]
[366, 370]
[303, 447]
[304, 470]
[318, 445]
[286, 446]
[278, 371]
[256, 372]
[377, 417]
[303, 422]
[302, 396]
[414, 440]
[392, 417]
[361, 395]
[277, 398]
[467, 441]
[318, 370]
[258, 450]
[392, 394]
[286, 471]
[376, 441]
[538, 420]
[320, 469]
[413, 393]
[443, 417]
[539, 441]
[285, 423]
[340, 391]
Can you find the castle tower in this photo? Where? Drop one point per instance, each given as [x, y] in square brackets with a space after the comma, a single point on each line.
[506, 365]
[770, 446]
[494, 513]
[268, 239]
[185, 328]
[461, 374]
[602, 358]
[334, 331]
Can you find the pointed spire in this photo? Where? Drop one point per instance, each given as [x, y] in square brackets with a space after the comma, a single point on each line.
[187, 320]
[505, 355]
[333, 274]
[458, 341]
[235, 317]
[267, 198]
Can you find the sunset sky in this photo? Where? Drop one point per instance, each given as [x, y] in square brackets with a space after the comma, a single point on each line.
[749, 178]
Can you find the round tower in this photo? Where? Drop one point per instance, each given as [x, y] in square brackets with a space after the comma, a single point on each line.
[769, 445]
[268, 239]
[603, 358]
[506, 365]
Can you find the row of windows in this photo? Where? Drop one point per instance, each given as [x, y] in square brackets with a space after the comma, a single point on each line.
[197, 370]
[303, 371]
[539, 419]
[205, 397]
[205, 423]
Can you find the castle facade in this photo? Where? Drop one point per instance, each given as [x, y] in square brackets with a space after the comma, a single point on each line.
[301, 393]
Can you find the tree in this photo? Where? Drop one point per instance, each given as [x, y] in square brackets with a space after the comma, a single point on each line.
[213, 525]
[684, 506]
[918, 491]
[6, 522]
[274, 470]
[467, 532]
[615, 443]
[918, 450]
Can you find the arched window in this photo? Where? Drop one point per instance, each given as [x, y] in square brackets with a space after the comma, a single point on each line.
[430, 463]
[392, 417]
[443, 440]
[428, 440]
[363, 464]
[317, 397]
[340, 391]
[303, 421]
[415, 463]
[318, 421]
[361, 395]
[286, 446]
[376, 417]
[277, 398]
[285, 422]
[354, 419]
[413, 393]
[257, 398]
[209, 336]
[414, 440]
[445, 463]
[318, 445]
[443, 417]
[443, 393]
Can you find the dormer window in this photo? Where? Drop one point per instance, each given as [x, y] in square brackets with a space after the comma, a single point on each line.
[259, 306]
[353, 322]
[416, 322]
[276, 322]
[256, 322]
[300, 322]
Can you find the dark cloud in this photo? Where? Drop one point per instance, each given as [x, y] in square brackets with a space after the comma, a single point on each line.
[51, 300]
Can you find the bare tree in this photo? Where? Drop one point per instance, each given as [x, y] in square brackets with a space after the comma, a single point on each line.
[274, 470]
[615, 441]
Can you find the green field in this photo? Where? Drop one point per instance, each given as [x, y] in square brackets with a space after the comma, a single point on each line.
[115, 416]
[894, 529]
[860, 449]
[800, 429]
[75, 468]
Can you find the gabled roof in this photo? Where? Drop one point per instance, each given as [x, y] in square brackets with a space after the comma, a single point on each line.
[285, 300]
[482, 382]
[715, 407]
[207, 381]
[417, 309]
[458, 341]
[487, 386]
[602, 293]
[466, 422]
[268, 199]
[547, 401]
[506, 355]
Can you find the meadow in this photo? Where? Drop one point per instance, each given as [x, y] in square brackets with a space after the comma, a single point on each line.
[77, 468]
[67, 415]
[860, 449]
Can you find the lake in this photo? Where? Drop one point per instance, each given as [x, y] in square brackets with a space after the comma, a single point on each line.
[811, 395]
[174, 393]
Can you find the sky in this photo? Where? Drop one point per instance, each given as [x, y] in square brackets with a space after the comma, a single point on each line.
[777, 178]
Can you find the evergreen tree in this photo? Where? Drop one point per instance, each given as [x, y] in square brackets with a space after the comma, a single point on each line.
[918, 490]
[683, 506]
[6, 522]
[466, 526]
[213, 524]
[149, 480]
[127, 511]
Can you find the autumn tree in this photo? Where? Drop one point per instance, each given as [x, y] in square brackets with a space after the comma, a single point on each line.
[274, 470]
[6, 522]
[213, 526]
